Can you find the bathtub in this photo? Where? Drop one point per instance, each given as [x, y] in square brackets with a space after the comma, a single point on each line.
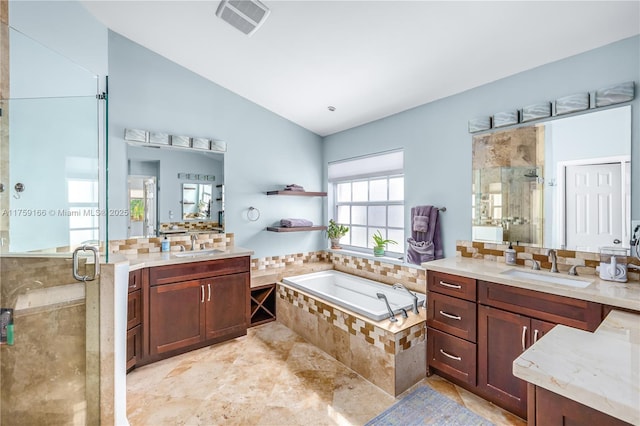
[354, 293]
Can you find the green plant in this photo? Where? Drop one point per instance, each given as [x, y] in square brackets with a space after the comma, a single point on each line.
[336, 231]
[379, 241]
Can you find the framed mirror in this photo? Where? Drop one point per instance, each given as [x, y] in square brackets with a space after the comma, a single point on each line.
[563, 183]
[196, 201]
[174, 170]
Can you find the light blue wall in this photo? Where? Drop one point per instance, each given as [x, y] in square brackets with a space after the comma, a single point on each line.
[264, 151]
[437, 144]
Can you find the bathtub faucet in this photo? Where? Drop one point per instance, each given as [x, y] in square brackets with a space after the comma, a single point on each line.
[415, 298]
[392, 317]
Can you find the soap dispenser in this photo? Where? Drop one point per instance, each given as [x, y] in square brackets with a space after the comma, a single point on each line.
[510, 255]
[165, 244]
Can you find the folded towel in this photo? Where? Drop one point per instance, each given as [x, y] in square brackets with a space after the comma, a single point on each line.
[295, 223]
[293, 187]
[421, 223]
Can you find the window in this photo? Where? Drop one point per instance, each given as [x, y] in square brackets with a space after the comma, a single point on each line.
[368, 196]
[83, 210]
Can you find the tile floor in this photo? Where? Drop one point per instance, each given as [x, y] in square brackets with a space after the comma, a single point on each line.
[269, 377]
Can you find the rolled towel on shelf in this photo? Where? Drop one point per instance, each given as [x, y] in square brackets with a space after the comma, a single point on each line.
[293, 187]
[295, 223]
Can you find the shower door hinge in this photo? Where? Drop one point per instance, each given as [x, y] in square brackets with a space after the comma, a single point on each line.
[102, 95]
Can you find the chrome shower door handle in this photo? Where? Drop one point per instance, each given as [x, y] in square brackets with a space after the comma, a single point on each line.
[96, 263]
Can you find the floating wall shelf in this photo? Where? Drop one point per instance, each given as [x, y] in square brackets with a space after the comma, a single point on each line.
[298, 193]
[295, 229]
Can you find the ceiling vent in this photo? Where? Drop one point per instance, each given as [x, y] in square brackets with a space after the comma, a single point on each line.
[245, 15]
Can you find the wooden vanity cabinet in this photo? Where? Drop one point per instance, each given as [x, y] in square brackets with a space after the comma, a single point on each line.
[134, 319]
[551, 409]
[451, 326]
[197, 304]
[510, 320]
[476, 329]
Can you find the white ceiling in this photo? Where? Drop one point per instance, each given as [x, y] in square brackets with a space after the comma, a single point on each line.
[369, 59]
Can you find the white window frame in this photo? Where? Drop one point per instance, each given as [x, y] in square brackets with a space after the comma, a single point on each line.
[394, 250]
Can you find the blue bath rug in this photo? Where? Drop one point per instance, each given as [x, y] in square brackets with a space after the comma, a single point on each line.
[425, 406]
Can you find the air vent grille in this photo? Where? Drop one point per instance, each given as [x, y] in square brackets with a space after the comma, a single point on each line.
[245, 15]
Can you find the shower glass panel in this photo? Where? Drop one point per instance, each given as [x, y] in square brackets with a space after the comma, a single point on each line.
[50, 134]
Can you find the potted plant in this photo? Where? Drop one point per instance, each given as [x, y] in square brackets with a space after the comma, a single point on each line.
[379, 243]
[335, 232]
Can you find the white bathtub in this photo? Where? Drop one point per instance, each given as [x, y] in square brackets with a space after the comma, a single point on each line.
[354, 293]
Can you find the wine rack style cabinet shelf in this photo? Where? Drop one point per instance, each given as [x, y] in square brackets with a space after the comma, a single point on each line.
[263, 304]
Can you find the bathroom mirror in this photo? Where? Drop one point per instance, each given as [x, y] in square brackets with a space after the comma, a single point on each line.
[175, 170]
[563, 183]
[196, 201]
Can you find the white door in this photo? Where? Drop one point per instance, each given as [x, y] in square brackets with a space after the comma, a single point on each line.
[594, 206]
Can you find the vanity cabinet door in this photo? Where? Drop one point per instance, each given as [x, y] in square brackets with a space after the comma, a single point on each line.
[227, 305]
[176, 315]
[555, 410]
[134, 346]
[502, 337]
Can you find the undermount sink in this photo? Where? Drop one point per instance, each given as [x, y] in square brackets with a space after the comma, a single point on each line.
[553, 279]
[198, 253]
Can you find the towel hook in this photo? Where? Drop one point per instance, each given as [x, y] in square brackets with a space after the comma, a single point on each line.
[253, 214]
[19, 187]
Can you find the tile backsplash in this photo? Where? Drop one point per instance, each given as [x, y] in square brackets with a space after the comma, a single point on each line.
[524, 256]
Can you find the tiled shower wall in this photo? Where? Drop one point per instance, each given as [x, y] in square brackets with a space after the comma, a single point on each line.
[49, 358]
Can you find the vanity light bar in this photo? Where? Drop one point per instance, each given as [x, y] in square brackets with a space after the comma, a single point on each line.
[196, 176]
[160, 138]
[610, 95]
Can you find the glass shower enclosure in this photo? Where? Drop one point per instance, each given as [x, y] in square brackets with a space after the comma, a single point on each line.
[51, 130]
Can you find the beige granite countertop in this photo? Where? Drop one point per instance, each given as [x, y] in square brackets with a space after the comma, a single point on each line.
[600, 369]
[169, 258]
[622, 295]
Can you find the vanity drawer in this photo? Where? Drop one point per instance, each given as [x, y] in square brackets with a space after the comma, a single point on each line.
[134, 309]
[135, 280]
[451, 355]
[198, 270]
[556, 309]
[452, 285]
[453, 316]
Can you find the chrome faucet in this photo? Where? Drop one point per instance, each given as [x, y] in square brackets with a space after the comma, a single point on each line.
[194, 237]
[574, 269]
[392, 317]
[535, 265]
[415, 298]
[554, 260]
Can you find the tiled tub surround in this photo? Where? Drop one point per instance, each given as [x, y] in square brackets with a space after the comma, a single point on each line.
[390, 355]
[524, 256]
[412, 277]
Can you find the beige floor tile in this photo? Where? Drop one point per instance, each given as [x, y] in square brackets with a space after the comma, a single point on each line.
[269, 377]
